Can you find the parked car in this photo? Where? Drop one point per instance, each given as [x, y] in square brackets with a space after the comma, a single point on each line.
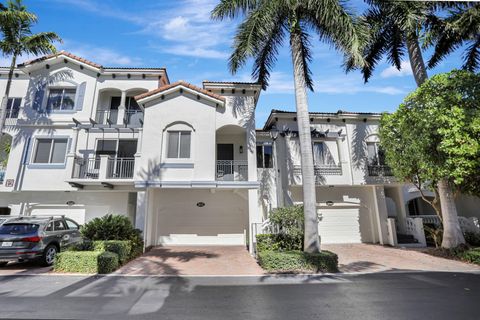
[36, 237]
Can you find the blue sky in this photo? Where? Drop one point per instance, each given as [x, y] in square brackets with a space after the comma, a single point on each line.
[180, 36]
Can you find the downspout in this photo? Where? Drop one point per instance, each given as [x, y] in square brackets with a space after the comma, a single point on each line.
[349, 147]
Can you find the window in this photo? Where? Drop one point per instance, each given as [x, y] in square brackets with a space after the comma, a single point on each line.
[61, 99]
[264, 156]
[71, 224]
[58, 225]
[179, 144]
[376, 156]
[13, 107]
[322, 155]
[50, 151]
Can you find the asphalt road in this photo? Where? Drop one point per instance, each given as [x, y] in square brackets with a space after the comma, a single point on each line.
[375, 296]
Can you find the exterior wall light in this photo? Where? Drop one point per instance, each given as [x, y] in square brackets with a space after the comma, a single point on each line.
[274, 133]
[200, 204]
[329, 203]
[70, 203]
[240, 149]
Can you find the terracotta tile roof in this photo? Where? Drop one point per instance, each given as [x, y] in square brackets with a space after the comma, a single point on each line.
[62, 53]
[176, 84]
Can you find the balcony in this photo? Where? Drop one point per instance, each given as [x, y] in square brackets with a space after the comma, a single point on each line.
[106, 116]
[104, 168]
[379, 171]
[132, 118]
[232, 170]
[322, 174]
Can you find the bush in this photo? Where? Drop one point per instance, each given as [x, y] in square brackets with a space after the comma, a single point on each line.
[298, 261]
[279, 242]
[288, 219]
[114, 227]
[472, 255]
[120, 247]
[86, 262]
[472, 238]
[107, 262]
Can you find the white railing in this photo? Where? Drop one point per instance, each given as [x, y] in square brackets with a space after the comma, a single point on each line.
[120, 168]
[102, 116]
[322, 170]
[232, 170]
[134, 117]
[430, 219]
[86, 168]
[414, 227]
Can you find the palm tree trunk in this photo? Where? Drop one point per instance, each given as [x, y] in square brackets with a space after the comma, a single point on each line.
[416, 59]
[3, 108]
[311, 240]
[452, 233]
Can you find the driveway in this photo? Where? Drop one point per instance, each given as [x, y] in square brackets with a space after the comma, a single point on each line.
[375, 258]
[194, 260]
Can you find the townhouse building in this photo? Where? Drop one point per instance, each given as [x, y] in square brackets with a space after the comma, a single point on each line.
[185, 163]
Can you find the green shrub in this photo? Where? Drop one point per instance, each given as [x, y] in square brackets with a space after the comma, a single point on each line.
[288, 219]
[298, 261]
[114, 227]
[77, 261]
[107, 262]
[472, 238]
[472, 255]
[279, 242]
[86, 262]
[121, 247]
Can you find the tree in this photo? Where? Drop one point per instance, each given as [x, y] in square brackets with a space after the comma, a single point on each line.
[433, 139]
[461, 27]
[17, 39]
[265, 26]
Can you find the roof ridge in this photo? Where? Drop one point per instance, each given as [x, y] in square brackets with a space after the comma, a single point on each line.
[176, 84]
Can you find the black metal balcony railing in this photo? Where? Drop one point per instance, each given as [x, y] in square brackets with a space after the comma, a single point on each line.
[379, 171]
[322, 170]
[134, 117]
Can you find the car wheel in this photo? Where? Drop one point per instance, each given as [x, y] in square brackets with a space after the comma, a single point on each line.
[49, 255]
[3, 263]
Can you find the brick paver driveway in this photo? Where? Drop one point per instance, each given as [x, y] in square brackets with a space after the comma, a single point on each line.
[193, 260]
[376, 258]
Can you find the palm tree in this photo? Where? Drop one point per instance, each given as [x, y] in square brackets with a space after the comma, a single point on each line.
[396, 27]
[17, 39]
[461, 27]
[265, 26]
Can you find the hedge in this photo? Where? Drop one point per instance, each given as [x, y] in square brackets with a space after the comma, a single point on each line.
[121, 248]
[279, 242]
[298, 261]
[86, 262]
[472, 255]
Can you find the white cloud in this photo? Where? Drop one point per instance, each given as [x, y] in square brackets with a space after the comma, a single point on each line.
[405, 70]
[104, 56]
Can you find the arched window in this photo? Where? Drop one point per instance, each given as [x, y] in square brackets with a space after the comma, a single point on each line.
[179, 140]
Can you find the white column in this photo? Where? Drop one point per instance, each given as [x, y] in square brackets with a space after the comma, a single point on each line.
[138, 155]
[70, 160]
[254, 216]
[381, 214]
[121, 108]
[102, 174]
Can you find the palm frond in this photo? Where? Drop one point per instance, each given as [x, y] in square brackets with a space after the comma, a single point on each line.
[40, 43]
[471, 61]
[232, 8]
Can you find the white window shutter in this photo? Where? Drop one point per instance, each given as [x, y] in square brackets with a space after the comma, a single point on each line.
[80, 96]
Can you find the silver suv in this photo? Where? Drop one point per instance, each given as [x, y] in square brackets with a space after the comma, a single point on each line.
[36, 237]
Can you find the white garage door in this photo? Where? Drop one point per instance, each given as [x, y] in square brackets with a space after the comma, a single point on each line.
[339, 226]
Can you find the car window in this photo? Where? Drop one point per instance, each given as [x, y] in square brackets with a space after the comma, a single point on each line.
[49, 227]
[18, 228]
[59, 226]
[71, 224]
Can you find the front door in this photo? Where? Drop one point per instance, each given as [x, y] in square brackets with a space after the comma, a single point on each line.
[224, 159]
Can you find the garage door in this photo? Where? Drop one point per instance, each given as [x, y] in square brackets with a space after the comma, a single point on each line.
[339, 226]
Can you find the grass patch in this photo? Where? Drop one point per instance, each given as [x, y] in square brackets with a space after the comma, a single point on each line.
[298, 261]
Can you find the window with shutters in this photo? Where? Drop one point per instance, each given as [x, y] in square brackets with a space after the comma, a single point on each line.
[61, 99]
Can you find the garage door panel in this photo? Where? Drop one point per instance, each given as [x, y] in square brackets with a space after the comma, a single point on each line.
[339, 226]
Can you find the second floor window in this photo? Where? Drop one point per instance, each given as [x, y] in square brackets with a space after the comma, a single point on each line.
[61, 99]
[179, 144]
[264, 156]
[13, 107]
[50, 151]
[376, 156]
[322, 155]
